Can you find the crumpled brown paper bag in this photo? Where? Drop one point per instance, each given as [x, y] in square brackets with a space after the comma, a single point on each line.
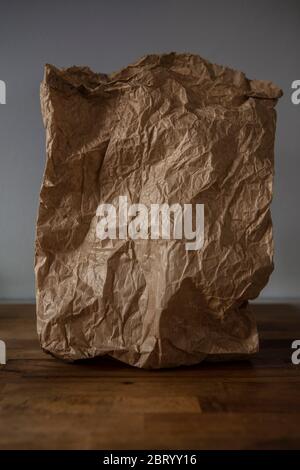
[170, 128]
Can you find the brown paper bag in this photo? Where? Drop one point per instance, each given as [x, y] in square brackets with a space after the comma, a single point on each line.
[168, 130]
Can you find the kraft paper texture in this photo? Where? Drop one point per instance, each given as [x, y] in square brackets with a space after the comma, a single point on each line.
[170, 128]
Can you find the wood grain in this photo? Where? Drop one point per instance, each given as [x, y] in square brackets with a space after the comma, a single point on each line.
[104, 404]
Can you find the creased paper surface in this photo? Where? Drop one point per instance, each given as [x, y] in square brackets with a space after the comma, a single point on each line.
[170, 128]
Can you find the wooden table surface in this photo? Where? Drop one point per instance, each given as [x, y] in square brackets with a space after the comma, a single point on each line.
[104, 404]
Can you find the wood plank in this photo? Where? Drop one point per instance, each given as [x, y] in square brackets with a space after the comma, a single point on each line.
[102, 403]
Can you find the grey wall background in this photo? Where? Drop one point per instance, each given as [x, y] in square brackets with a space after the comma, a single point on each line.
[262, 38]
